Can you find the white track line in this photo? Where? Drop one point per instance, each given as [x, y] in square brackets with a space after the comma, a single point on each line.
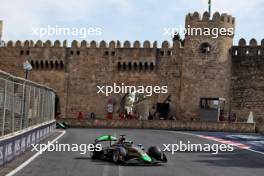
[191, 134]
[262, 153]
[106, 170]
[120, 171]
[13, 172]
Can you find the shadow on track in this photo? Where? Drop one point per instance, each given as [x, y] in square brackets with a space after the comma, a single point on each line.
[104, 162]
[237, 159]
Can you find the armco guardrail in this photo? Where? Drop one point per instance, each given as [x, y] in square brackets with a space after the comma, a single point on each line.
[23, 103]
[162, 124]
[13, 145]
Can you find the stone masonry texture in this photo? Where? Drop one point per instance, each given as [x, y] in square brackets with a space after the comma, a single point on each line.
[235, 73]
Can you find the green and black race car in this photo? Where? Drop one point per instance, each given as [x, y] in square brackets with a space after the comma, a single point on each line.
[122, 151]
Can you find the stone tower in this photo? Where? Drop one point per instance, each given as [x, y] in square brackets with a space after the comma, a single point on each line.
[206, 65]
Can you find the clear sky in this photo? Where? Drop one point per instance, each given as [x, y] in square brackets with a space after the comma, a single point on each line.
[122, 19]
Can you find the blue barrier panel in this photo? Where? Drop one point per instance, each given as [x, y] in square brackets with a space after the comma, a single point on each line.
[14, 146]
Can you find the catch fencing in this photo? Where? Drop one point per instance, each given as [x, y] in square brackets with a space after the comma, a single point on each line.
[23, 104]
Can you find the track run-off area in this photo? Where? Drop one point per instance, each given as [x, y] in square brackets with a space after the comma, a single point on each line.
[243, 161]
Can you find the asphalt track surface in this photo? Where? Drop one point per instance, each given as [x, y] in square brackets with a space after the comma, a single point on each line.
[237, 163]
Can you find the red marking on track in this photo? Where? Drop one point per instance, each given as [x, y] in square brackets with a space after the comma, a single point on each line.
[239, 145]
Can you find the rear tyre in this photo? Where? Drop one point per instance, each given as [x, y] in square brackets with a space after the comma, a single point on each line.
[119, 155]
[92, 155]
[115, 156]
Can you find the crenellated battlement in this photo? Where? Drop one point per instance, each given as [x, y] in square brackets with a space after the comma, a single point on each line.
[57, 59]
[244, 50]
[205, 17]
[252, 43]
[84, 44]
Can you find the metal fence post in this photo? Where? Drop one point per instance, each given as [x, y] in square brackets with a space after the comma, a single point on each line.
[13, 109]
[23, 108]
[4, 113]
[27, 106]
[53, 105]
[39, 119]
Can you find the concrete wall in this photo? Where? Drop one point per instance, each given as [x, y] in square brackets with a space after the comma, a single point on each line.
[163, 124]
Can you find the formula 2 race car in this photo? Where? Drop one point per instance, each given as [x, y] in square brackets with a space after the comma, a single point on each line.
[122, 151]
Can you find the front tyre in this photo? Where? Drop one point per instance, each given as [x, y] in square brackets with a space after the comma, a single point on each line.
[95, 154]
[156, 153]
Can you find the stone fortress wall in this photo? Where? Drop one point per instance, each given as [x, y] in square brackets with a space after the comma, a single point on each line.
[206, 74]
[75, 70]
[248, 79]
